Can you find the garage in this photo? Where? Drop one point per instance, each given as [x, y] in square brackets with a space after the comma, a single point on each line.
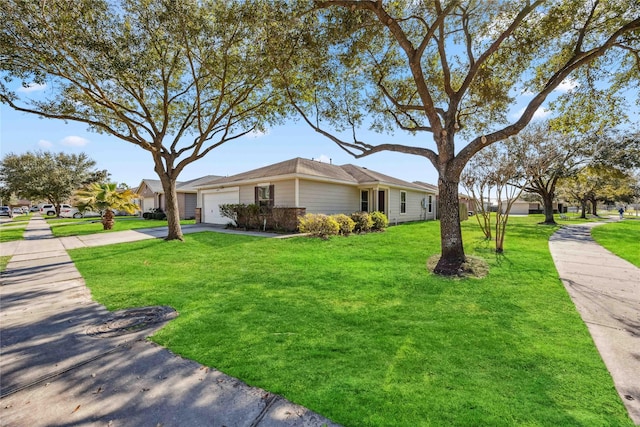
[148, 203]
[211, 204]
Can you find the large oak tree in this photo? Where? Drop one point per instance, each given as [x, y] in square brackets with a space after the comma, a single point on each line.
[176, 78]
[449, 71]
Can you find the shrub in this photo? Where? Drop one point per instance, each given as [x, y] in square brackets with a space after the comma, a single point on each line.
[380, 221]
[346, 224]
[363, 221]
[318, 225]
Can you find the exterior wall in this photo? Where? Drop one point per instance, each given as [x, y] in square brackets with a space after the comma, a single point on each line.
[414, 209]
[327, 198]
[190, 201]
[180, 197]
[284, 193]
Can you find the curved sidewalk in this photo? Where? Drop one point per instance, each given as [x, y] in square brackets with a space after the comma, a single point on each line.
[606, 292]
[66, 360]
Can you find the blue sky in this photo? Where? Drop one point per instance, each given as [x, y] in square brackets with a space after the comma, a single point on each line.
[127, 163]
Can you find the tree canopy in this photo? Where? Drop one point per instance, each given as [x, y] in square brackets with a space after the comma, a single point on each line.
[48, 176]
[441, 69]
[176, 78]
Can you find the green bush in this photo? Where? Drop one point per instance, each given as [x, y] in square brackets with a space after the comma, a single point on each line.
[363, 221]
[318, 225]
[346, 224]
[380, 221]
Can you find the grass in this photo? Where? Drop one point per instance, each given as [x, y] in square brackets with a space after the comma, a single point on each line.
[4, 260]
[356, 328]
[622, 238]
[61, 227]
[14, 229]
[11, 234]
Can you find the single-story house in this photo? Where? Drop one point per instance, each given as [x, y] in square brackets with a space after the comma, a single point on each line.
[152, 195]
[318, 188]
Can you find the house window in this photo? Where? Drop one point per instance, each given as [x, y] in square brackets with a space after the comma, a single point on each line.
[364, 201]
[403, 202]
[264, 196]
[430, 204]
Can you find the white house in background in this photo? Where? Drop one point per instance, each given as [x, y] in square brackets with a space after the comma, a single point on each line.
[152, 195]
[318, 188]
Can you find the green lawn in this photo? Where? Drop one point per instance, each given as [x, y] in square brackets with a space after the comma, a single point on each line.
[356, 329]
[14, 229]
[62, 227]
[622, 238]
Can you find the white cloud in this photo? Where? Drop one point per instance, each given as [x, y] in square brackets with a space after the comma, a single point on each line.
[32, 87]
[74, 141]
[257, 133]
[43, 143]
[540, 113]
[566, 85]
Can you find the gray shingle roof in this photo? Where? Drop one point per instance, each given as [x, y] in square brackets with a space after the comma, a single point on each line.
[349, 174]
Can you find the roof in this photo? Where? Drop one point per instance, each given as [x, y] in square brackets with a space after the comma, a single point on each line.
[427, 185]
[348, 174]
[155, 185]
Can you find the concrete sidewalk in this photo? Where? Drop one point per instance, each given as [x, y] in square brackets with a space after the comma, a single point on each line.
[606, 292]
[66, 360]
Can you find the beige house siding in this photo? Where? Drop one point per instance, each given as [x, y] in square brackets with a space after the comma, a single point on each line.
[414, 210]
[328, 198]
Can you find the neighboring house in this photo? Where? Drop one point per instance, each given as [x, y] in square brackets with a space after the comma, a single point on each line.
[152, 195]
[318, 188]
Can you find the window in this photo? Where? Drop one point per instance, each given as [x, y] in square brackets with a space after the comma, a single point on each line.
[364, 200]
[264, 196]
[430, 204]
[403, 202]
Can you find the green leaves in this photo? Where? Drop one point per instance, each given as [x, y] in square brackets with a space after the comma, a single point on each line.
[48, 176]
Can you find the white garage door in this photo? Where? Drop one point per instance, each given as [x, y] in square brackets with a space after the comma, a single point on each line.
[148, 203]
[211, 205]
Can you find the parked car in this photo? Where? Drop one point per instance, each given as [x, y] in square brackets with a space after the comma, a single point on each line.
[17, 211]
[6, 211]
[34, 209]
[50, 210]
[70, 212]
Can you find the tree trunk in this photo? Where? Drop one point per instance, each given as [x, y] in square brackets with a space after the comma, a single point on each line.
[452, 256]
[174, 231]
[547, 202]
[583, 205]
[594, 206]
[107, 220]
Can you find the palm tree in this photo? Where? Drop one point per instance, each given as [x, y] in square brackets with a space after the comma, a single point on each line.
[104, 198]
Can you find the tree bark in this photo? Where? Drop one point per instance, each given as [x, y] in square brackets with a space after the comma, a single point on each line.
[583, 206]
[174, 231]
[547, 202]
[594, 206]
[452, 256]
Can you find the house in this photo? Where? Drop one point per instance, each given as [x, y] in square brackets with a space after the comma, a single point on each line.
[318, 187]
[152, 195]
[467, 205]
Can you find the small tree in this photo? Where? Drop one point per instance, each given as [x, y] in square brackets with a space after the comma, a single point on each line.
[494, 171]
[105, 198]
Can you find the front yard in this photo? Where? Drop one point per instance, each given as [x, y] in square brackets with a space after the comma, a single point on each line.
[356, 329]
[61, 227]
